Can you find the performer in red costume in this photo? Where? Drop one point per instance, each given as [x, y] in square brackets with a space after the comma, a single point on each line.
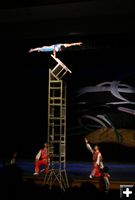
[104, 180]
[42, 159]
[97, 160]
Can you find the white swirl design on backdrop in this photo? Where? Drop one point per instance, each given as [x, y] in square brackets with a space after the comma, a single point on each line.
[115, 88]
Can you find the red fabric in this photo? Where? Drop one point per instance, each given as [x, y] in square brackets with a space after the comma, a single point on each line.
[39, 163]
[43, 161]
[44, 154]
[95, 155]
[95, 171]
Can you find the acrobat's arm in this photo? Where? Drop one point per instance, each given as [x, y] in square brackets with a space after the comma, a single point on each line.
[73, 44]
[88, 146]
[98, 159]
[38, 155]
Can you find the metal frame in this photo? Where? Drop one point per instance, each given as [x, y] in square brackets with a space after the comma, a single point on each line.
[57, 126]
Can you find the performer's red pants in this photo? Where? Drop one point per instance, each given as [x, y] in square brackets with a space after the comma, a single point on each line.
[41, 163]
[95, 171]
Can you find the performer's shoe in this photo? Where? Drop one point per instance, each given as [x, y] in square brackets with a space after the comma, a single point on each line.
[90, 176]
[42, 170]
[45, 171]
[35, 173]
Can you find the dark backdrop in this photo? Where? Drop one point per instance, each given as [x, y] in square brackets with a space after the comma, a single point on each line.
[24, 91]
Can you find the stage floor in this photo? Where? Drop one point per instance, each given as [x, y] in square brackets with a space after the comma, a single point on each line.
[78, 172]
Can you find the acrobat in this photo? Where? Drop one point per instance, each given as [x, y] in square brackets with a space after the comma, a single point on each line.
[54, 48]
